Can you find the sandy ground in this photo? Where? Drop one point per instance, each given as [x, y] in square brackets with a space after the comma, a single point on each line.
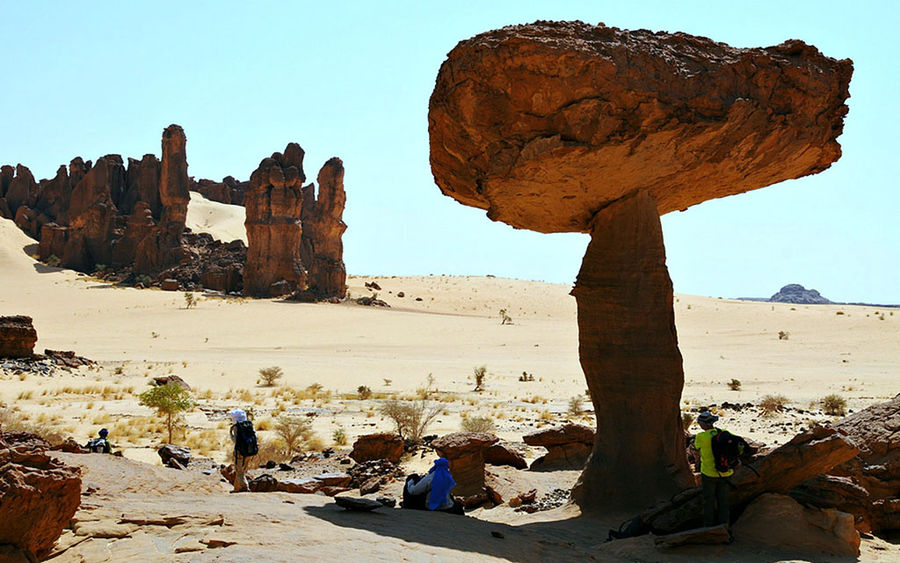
[437, 326]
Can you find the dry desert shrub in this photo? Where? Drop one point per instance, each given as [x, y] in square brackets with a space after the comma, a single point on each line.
[363, 392]
[477, 424]
[576, 406]
[13, 420]
[294, 432]
[270, 375]
[272, 450]
[686, 420]
[834, 405]
[734, 384]
[479, 374]
[339, 436]
[770, 404]
[783, 335]
[410, 417]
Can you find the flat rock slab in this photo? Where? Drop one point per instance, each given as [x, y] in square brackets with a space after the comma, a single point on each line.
[357, 504]
[712, 535]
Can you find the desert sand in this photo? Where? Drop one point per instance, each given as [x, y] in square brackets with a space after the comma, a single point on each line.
[437, 326]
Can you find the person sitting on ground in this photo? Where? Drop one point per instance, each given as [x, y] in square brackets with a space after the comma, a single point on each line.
[241, 461]
[714, 483]
[432, 492]
[100, 445]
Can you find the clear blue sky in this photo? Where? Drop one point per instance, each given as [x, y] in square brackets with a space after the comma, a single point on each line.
[352, 79]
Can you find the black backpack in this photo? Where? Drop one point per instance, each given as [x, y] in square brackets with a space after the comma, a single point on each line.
[727, 449]
[98, 446]
[245, 439]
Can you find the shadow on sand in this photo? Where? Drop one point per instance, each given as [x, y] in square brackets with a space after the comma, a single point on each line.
[572, 539]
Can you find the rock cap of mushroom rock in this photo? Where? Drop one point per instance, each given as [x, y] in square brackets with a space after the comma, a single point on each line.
[458, 443]
[542, 125]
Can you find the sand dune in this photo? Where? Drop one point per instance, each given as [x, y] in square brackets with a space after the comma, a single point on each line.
[224, 222]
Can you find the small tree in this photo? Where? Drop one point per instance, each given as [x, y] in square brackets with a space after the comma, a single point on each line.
[169, 401]
[270, 375]
[363, 392]
[734, 384]
[505, 319]
[410, 417]
[576, 406]
[479, 373]
[190, 300]
[293, 431]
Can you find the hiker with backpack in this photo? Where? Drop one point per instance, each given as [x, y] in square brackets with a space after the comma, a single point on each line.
[101, 444]
[245, 447]
[720, 453]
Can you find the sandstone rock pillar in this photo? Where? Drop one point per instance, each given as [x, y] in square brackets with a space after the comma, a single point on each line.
[629, 353]
[173, 195]
[274, 202]
[323, 250]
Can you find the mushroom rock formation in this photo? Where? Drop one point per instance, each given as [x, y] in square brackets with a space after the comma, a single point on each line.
[568, 447]
[569, 127]
[322, 250]
[273, 204]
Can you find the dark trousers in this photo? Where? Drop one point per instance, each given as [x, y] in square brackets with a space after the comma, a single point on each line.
[715, 500]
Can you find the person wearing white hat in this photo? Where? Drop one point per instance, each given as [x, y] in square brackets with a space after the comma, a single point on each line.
[238, 416]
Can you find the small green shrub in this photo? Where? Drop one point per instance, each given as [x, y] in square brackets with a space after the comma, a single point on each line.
[734, 385]
[294, 432]
[339, 436]
[363, 392]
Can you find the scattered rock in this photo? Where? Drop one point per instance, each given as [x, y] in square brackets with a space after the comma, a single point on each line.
[376, 447]
[371, 301]
[171, 379]
[389, 502]
[181, 454]
[264, 483]
[357, 504]
[17, 337]
[170, 284]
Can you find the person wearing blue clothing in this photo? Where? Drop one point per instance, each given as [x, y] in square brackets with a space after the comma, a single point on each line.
[432, 492]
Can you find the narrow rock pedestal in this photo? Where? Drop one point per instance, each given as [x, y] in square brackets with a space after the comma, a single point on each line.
[629, 353]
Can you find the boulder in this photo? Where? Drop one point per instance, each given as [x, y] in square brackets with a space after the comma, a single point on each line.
[378, 446]
[265, 483]
[38, 496]
[322, 249]
[569, 127]
[568, 447]
[357, 504]
[17, 337]
[465, 452]
[181, 454]
[69, 445]
[333, 479]
[503, 454]
[303, 486]
[273, 205]
[780, 521]
[169, 284]
[841, 493]
[171, 380]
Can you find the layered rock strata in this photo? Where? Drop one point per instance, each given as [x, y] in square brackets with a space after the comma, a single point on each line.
[17, 337]
[465, 452]
[568, 127]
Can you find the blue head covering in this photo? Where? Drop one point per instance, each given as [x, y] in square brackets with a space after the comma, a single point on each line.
[103, 433]
[441, 484]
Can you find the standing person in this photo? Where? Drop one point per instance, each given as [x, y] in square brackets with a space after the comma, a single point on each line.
[100, 445]
[432, 491]
[245, 447]
[714, 483]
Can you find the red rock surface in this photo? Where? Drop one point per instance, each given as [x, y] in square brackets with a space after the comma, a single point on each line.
[274, 202]
[38, 497]
[544, 124]
[377, 446]
[322, 250]
[17, 337]
[503, 454]
[560, 435]
[465, 452]
[568, 127]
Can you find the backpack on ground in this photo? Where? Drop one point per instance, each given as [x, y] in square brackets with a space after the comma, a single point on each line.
[98, 446]
[727, 449]
[245, 439]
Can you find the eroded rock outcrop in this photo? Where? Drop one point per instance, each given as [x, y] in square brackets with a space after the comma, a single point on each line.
[274, 202]
[322, 250]
[372, 447]
[568, 447]
[17, 337]
[465, 452]
[568, 127]
[38, 496]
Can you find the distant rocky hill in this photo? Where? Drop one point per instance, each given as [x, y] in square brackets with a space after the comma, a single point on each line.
[796, 293]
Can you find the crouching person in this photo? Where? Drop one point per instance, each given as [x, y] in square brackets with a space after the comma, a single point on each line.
[432, 492]
[100, 445]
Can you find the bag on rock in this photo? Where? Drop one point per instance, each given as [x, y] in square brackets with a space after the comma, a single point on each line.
[245, 439]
